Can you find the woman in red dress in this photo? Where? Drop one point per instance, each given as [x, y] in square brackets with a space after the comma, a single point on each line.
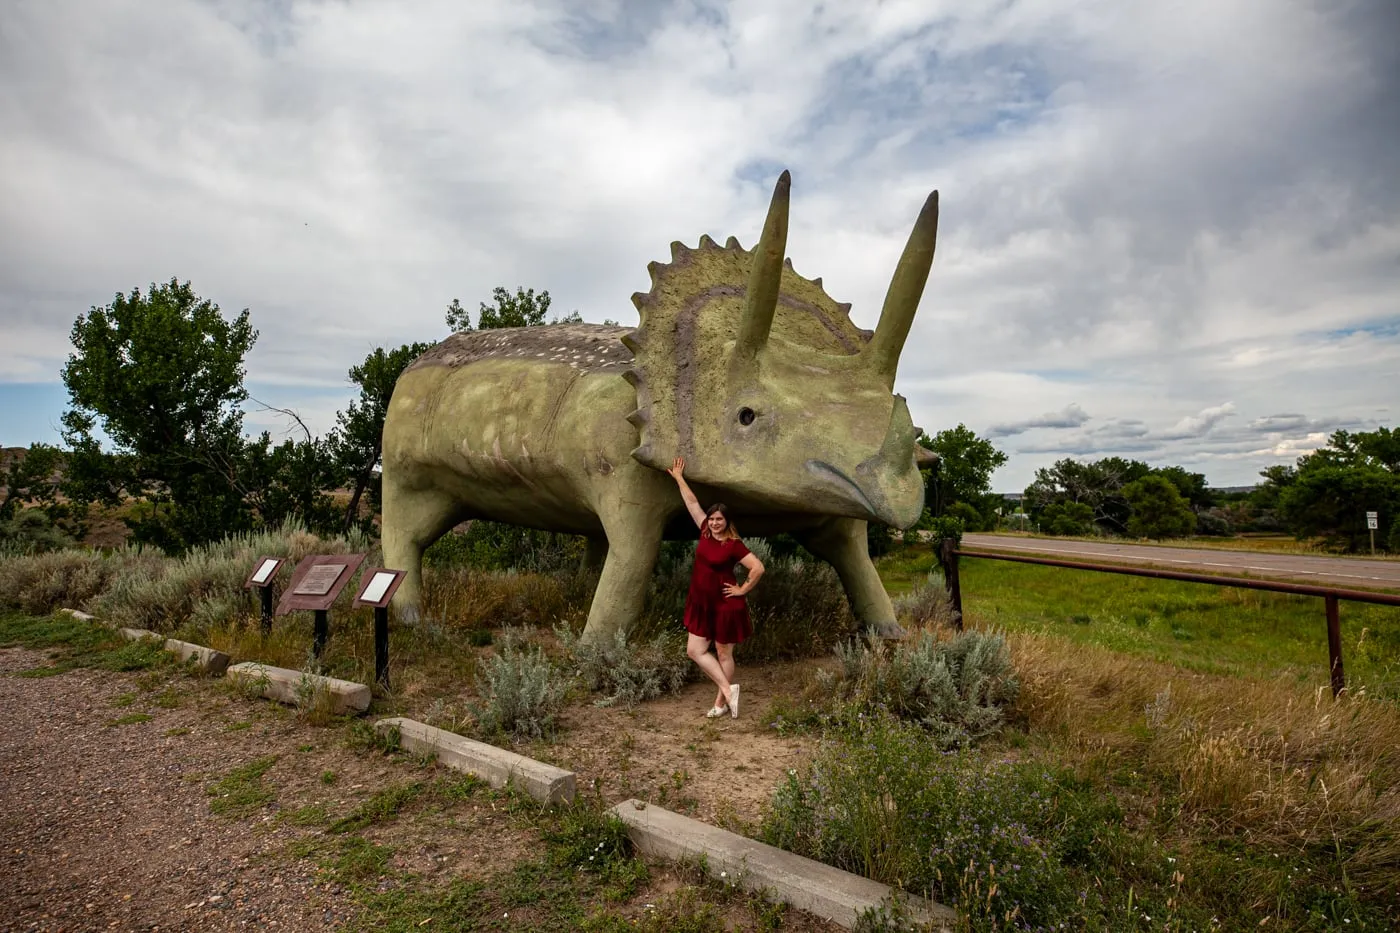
[715, 610]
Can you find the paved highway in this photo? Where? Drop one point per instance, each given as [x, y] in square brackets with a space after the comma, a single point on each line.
[1343, 572]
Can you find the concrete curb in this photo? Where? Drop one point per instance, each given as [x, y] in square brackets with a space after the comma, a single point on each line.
[278, 683]
[206, 659]
[496, 766]
[83, 616]
[808, 885]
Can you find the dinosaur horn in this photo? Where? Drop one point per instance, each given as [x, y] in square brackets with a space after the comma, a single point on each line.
[765, 275]
[906, 288]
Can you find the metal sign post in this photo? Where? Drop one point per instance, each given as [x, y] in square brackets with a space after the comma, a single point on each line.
[377, 587]
[262, 577]
[1372, 521]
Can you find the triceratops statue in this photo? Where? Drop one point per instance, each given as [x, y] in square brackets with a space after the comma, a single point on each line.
[782, 408]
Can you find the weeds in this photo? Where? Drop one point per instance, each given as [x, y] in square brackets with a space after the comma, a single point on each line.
[955, 689]
[628, 674]
[521, 693]
[241, 792]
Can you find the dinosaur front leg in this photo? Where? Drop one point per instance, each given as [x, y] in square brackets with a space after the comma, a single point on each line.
[412, 520]
[841, 542]
[634, 541]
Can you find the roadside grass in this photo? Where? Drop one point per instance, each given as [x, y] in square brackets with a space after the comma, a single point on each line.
[1200, 627]
[241, 792]
[1267, 543]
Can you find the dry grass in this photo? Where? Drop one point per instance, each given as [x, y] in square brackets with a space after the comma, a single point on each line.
[1268, 761]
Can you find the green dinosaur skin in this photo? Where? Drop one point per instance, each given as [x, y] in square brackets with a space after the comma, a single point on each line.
[541, 444]
[541, 427]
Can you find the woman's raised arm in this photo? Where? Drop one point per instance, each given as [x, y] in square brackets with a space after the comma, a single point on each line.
[692, 504]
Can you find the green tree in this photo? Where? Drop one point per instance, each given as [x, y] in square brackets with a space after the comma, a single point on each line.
[963, 472]
[1159, 510]
[1067, 518]
[1330, 491]
[162, 375]
[1192, 486]
[523, 309]
[359, 435]
[32, 476]
[1097, 485]
[288, 481]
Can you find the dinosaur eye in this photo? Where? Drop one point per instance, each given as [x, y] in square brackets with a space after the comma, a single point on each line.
[746, 416]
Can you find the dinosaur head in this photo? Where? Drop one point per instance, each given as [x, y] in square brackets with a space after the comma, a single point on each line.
[763, 384]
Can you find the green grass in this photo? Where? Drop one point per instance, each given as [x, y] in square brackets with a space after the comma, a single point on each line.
[73, 643]
[1201, 627]
[241, 792]
[130, 719]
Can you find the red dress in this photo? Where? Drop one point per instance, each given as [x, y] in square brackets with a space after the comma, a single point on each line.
[708, 612]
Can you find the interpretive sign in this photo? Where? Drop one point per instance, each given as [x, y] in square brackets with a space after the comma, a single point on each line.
[377, 587]
[317, 582]
[264, 571]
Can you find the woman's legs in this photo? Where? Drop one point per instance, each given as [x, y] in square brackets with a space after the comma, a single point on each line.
[698, 650]
[725, 655]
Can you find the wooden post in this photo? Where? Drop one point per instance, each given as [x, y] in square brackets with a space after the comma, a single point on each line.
[1334, 646]
[949, 553]
[381, 645]
[322, 632]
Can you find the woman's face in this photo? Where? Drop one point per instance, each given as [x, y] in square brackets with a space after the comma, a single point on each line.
[717, 524]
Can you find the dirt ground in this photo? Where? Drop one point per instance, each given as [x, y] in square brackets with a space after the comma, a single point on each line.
[105, 798]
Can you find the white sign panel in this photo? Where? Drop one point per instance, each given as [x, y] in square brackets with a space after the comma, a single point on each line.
[265, 570]
[1372, 521]
[378, 586]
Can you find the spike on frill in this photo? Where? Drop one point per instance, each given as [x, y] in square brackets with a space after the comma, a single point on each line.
[642, 452]
[733, 243]
[787, 263]
[845, 307]
[639, 418]
[817, 281]
[679, 250]
[654, 270]
[632, 377]
[707, 243]
[640, 300]
[632, 340]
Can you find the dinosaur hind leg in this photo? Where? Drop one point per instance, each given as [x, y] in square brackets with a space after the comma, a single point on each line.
[412, 520]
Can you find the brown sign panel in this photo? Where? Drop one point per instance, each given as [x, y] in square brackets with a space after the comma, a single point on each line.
[377, 587]
[317, 581]
[264, 572]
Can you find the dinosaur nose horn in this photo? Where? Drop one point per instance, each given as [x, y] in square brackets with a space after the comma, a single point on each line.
[765, 276]
[906, 288]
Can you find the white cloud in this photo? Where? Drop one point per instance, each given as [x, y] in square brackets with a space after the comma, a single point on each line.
[1071, 416]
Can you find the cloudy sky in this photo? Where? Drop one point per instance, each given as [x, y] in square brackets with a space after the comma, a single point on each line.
[1169, 231]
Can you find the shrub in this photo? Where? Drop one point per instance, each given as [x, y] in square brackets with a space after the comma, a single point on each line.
[31, 532]
[966, 514]
[955, 689]
[927, 605]
[628, 673]
[520, 692]
[1004, 842]
[1067, 518]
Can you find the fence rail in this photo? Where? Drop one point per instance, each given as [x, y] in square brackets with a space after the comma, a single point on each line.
[1330, 594]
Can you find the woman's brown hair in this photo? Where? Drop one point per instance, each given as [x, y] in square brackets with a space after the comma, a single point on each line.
[721, 508]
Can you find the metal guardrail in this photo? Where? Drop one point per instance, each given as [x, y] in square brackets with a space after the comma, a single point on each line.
[1330, 595]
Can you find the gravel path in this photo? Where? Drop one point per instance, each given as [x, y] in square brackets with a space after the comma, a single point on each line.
[109, 826]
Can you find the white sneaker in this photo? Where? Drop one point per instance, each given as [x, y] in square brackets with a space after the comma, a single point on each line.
[717, 711]
[734, 700]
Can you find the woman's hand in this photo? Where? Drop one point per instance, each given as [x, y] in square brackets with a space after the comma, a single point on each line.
[677, 469]
[733, 589]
